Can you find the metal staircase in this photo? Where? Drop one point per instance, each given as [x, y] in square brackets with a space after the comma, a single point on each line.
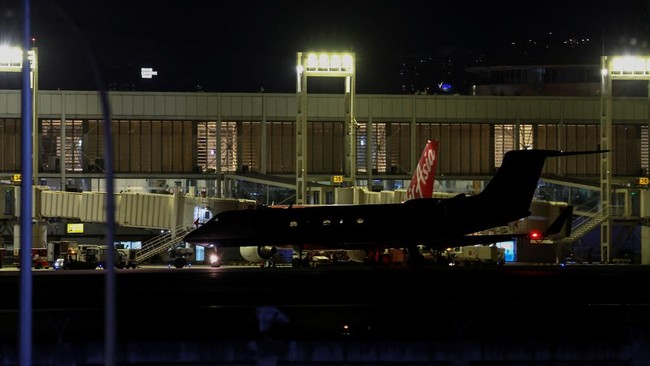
[162, 242]
[582, 225]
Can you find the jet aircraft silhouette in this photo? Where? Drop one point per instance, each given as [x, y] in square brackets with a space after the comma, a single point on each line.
[436, 223]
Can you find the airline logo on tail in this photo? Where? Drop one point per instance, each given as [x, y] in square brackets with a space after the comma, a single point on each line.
[424, 175]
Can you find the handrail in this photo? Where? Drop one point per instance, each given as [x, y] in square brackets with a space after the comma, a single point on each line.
[164, 241]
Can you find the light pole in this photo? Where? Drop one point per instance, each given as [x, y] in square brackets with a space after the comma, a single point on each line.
[23, 60]
[324, 64]
[11, 60]
[618, 68]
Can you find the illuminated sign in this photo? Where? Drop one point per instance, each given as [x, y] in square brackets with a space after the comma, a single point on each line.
[643, 181]
[148, 73]
[77, 228]
[16, 178]
[337, 179]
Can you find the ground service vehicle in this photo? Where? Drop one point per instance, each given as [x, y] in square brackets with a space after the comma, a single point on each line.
[71, 255]
[39, 258]
[476, 255]
[125, 258]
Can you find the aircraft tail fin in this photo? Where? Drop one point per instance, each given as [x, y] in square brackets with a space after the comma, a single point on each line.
[516, 180]
[421, 185]
[561, 222]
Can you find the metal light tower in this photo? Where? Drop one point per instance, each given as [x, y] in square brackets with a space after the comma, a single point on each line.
[324, 64]
[613, 68]
[618, 68]
[605, 158]
[11, 60]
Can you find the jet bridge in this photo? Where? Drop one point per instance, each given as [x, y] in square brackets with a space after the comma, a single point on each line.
[174, 215]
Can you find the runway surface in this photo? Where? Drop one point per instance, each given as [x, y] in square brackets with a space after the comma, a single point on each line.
[582, 309]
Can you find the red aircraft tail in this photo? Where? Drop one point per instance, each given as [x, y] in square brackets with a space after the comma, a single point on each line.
[424, 175]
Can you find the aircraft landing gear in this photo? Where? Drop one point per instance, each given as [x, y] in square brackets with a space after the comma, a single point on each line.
[179, 262]
[299, 262]
[415, 257]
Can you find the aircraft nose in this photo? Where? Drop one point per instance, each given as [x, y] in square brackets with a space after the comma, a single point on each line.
[193, 235]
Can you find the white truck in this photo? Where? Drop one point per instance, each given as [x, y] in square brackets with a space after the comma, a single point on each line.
[476, 255]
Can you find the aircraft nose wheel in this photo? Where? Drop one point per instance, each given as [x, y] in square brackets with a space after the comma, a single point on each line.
[180, 262]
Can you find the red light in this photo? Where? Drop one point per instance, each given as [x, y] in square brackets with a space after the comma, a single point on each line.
[536, 235]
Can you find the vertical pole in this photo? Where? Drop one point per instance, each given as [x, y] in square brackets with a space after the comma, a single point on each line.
[351, 136]
[263, 145]
[219, 144]
[369, 146]
[301, 134]
[413, 143]
[605, 160]
[63, 139]
[35, 132]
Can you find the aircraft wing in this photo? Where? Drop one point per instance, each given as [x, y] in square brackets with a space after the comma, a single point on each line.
[553, 229]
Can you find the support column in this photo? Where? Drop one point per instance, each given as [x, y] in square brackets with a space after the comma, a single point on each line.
[63, 147]
[370, 142]
[351, 136]
[36, 151]
[217, 171]
[263, 161]
[301, 137]
[414, 152]
[605, 160]
[645, 244]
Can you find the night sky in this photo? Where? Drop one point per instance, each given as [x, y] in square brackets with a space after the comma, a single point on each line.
[243, 46]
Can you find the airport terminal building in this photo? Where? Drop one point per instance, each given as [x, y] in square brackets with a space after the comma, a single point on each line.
[202, 138]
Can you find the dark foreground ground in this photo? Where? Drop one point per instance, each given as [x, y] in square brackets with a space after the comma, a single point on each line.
[512, 315]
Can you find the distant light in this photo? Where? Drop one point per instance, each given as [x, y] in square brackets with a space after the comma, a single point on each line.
[445, 87]
[148, 73]
[535, 235]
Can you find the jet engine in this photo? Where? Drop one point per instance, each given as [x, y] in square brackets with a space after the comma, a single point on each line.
[257, 254]
[357, 255]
